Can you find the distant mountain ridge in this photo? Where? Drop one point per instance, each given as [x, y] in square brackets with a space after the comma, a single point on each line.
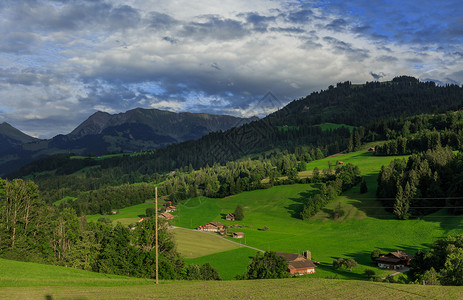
[180, 126]
[135, 130]
[11, 137]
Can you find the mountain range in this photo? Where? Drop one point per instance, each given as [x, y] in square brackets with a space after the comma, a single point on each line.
[135, 130]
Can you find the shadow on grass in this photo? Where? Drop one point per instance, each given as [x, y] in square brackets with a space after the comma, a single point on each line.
[296, 208]
[364, 258]
[345, 273]
[367, 202]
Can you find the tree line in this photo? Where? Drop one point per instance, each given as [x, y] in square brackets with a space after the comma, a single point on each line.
[422, 184]
[32, 231]
[344, 178]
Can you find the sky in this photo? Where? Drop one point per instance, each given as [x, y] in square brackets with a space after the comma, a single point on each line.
[63, 60]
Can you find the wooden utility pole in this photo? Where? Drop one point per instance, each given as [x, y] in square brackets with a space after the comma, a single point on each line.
[156, 224]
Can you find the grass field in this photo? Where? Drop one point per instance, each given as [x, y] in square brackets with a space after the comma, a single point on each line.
[328, 126]
[126, 215]
[193, 244]
[65, 199]
[364, 227]
[20, 280]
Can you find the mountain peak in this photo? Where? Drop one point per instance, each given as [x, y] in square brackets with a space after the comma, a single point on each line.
[9, 132]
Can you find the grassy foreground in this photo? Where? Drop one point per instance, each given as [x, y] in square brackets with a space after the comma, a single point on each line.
[20, 280]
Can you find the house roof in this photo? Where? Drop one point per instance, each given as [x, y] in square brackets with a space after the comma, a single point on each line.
[396, 257]
[399, 254]
[301, 264]
[238, 233]
[288, 256]
[296, 261]
[217, 224]
[166, 215]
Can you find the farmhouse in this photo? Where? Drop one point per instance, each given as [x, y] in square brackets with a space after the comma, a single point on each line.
[371, 149]
[230, 217]
[166, 216]
[394, 260]
[238, 235]
[143, 219]
[212, 227]
[170, 209]
[299, 264]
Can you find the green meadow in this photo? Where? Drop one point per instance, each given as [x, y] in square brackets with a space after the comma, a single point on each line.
[192, 244]
[364, 227]
[328, 126]
[21, 280]
[126, 216]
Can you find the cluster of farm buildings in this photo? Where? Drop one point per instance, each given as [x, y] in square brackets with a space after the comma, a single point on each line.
[297, 264]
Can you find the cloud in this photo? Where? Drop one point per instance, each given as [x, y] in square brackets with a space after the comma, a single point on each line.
[377, 76]
[337, 25]
[346, 48]
[62, 60]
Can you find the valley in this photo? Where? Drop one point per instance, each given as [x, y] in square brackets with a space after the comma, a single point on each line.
[302, 182]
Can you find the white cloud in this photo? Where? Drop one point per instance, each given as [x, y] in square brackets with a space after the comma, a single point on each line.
[212, 56]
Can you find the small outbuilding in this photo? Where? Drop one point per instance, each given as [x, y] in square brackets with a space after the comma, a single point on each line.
[230, 217]
[238, 235]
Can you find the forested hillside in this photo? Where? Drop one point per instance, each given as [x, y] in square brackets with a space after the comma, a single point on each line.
[258, 155]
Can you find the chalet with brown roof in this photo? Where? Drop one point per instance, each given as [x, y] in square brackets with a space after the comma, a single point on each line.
[212, 227]
[166, 216]
[371, 149]
[230, 217]
[299, 264]
[394, 260]
[340, 162]
[238, 235]
[167, 203]
[170, 209]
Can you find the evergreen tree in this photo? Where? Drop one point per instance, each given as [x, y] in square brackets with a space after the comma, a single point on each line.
[401, 204]
[239, 214]
[363, 186]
